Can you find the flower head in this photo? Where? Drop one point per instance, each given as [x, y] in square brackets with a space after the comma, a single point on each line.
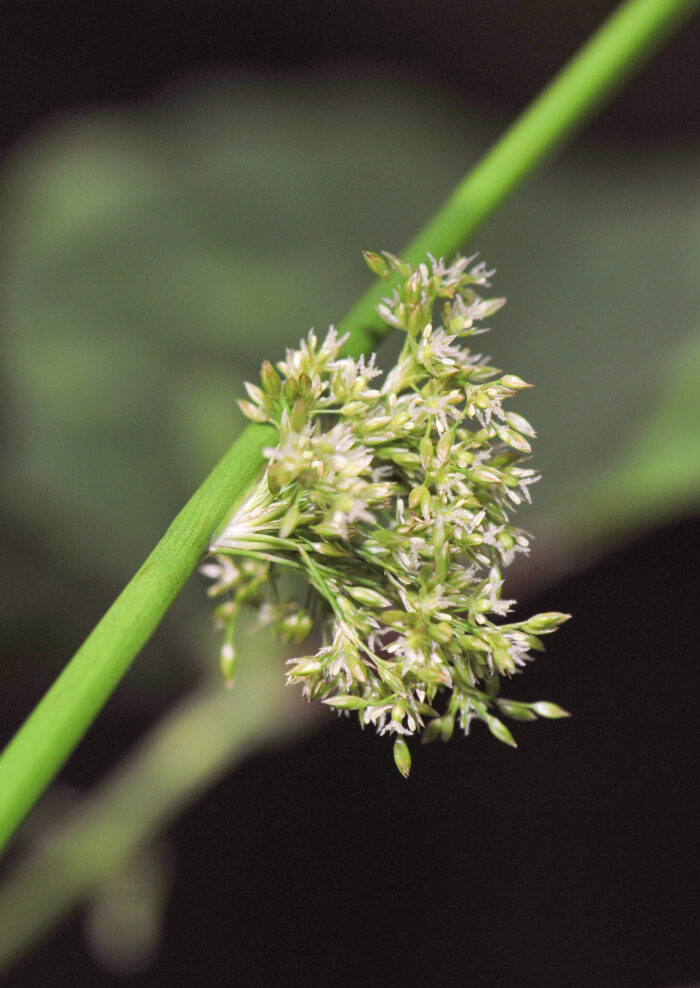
[393, 499]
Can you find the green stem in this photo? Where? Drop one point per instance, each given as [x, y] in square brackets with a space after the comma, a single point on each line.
[620, 46]
[49, 735]
[51, 732]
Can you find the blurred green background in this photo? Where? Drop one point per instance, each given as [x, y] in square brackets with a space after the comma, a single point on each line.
[152, 257]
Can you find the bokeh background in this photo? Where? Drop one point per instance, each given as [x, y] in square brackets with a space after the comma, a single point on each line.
[184, 190]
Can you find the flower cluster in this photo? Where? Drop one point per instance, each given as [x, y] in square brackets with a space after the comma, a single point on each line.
[392, 499]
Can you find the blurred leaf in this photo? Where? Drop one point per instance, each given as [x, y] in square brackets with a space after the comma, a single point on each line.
[658, 473]
[154, 257]
[124, 916]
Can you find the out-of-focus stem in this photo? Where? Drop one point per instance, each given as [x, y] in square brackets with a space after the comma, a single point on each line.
[193, 745]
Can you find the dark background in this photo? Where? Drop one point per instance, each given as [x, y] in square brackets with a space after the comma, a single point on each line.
[568, 862]
[61, 56]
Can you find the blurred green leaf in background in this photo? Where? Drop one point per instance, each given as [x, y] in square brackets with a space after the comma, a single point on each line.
[153, 257]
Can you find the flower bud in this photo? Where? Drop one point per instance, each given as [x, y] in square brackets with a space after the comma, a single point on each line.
[439, 532]
[402, 757]
[254, 392]
[487, 475]
[520, 423]
[432, 731]
[442, 632]
[227, 663]
[376, 264]
[442, 562]
[289, 522]
[329, 549]
[447, 727]
[272, 386]
[513, 382]
[346, 702]
[518, 711]
[415, 498]
[426, 452]
[310, 668]
[445, 445]
[391, 678]
[394, 618]
[513, 438]
[429, 674]
[503, 659]
[413, 288]
[290, 390]
[276, 478]
[500, 731]
[541, 624]
[367, 596]
[251, 411]
[490, 306]
[545, 709]
[402, 268]
[295, 627]
[469, 642]
[355, 665]
[299, 415]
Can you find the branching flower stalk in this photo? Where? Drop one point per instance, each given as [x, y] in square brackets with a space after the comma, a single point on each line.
[392, 501]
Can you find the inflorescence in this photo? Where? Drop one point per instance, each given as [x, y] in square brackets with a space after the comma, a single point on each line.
[392, 500]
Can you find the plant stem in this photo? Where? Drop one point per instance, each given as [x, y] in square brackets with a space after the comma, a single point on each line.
[624, 41]
[51, 732]
[49, 735]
